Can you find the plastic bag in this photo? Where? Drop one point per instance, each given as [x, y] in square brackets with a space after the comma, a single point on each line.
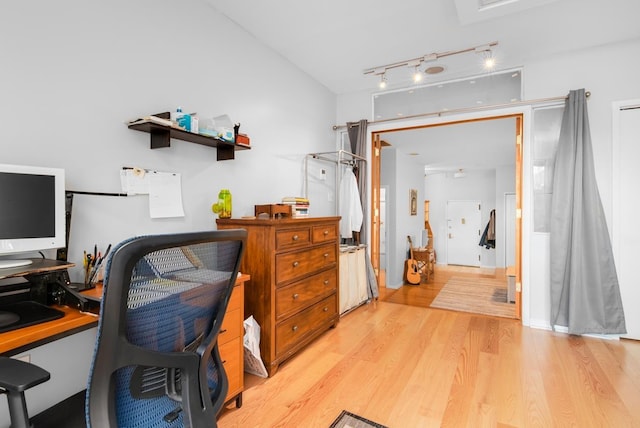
[252, 361]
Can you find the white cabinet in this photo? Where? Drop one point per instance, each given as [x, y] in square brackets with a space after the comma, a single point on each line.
[353, 278]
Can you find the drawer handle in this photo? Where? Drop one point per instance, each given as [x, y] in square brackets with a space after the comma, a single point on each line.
[326, 255]
[294, 328]
[326, 282]
[296, 237]
[295, 296]
[295, 264]
[325, 309]
[223, 331]
[224, 361]
[326, 232]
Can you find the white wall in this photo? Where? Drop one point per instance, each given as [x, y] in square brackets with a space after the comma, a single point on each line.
[72, 78]
[400, 173]
[609, 73]
[505, 183]
[74, 71]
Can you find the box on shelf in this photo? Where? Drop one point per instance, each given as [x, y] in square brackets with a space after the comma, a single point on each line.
[273, 210]
[242, 139]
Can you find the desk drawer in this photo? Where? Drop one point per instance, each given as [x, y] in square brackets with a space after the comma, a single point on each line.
[297, 296]
[298, 327]
[231, 357]
[293, 238]
[230, 328]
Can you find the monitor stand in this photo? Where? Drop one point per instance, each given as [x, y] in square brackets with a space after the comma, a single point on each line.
[6, 264]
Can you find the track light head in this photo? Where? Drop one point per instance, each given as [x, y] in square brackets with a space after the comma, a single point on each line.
[383, 81]
[417, 75]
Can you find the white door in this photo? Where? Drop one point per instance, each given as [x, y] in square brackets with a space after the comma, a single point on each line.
[626, 234]
[510, 229]
[463, 233]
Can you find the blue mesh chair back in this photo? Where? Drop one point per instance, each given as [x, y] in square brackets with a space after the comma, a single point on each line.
[156, 361]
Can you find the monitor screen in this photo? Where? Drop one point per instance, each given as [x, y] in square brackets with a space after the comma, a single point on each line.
[32, 209]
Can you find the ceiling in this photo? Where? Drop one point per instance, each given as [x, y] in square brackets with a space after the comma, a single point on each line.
[334, 41]
[467, 146]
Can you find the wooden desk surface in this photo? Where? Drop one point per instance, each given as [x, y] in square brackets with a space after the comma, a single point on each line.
[17, 341]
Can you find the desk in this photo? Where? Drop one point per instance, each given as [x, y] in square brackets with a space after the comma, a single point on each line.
[48, 335]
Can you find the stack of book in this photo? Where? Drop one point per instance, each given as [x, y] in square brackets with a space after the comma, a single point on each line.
[299, 206]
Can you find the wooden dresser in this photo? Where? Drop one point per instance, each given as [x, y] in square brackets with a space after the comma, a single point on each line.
[230, 342]
[294, 281]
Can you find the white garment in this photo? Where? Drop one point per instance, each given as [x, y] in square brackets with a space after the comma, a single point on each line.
[350, 207]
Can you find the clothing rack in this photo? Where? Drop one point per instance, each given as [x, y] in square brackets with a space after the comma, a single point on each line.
[340, 157]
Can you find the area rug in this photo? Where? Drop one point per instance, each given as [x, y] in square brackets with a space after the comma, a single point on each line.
[484, 296]
[349, 420]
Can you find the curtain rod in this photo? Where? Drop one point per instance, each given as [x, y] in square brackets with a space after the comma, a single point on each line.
[465, 110]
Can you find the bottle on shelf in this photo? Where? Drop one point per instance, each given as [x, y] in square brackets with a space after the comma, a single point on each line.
[223, 206]
[176, 115]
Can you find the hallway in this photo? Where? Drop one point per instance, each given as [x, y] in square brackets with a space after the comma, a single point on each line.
[423, 295]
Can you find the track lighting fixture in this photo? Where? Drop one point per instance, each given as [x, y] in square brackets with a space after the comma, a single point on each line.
[417, 75]
[383, 81]
[416, 63]
[489, 61]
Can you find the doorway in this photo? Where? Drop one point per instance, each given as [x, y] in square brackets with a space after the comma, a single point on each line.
[376, 165]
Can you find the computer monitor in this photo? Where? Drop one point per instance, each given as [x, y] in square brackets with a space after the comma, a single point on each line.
[32, 211]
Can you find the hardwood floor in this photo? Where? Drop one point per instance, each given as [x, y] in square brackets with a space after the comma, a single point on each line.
[408, 366]
[423, 294]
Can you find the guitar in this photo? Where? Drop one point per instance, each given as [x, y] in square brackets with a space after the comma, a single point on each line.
[412, 275]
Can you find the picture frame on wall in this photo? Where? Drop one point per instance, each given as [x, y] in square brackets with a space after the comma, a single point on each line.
[413, 201]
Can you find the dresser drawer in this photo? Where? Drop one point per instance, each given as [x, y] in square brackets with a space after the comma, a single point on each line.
[291, 266]
[297, 296]
[293, 238]
[231, 358]
[324, 233]
[293, 330]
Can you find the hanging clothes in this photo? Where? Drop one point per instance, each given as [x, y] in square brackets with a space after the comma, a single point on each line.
[488, 239]
[350, 206]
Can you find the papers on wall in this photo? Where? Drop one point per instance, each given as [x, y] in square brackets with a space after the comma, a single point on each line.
[164, 190]
[134, 181]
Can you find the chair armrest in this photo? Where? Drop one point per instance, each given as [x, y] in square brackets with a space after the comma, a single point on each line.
[16, 375]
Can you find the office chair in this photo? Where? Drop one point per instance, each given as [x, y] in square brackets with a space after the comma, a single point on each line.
[156, 361]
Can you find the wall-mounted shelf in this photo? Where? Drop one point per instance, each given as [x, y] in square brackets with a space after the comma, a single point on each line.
[161, 136]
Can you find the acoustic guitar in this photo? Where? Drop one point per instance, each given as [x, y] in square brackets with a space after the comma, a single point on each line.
[412, 274]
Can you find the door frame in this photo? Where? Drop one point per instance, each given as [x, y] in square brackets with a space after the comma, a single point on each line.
[409, 124]
[617, 196]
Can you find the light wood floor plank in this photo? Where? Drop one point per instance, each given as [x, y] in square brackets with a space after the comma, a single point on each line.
[407, 366]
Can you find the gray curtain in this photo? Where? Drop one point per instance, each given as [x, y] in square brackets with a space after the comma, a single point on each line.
[357, 132]
[585, 296]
